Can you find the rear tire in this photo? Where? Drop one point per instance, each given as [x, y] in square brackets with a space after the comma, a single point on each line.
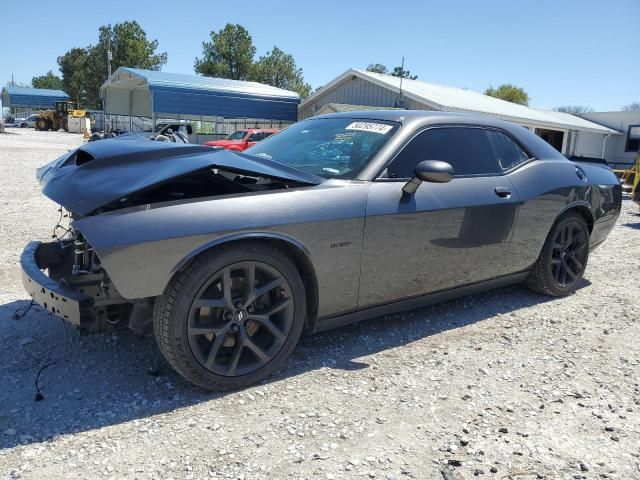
[231, 317]
[563, 259]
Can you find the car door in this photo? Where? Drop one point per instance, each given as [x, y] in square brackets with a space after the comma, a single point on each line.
[445, 234]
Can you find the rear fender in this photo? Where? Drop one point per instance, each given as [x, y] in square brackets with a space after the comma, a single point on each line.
[581, 207]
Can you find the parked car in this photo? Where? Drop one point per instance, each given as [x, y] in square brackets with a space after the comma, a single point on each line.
[243, 139]
[336, 219]
[29, 122]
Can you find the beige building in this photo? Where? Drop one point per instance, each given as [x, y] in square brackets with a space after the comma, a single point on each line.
[621, 150]
[572, 135]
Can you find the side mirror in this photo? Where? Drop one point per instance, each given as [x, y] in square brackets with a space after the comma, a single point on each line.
[189, 129]
[433, 171]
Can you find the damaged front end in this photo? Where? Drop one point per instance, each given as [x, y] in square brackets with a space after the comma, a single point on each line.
[65, 278]
[111, 177]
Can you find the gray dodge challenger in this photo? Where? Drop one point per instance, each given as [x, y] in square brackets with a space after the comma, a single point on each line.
[228, 257]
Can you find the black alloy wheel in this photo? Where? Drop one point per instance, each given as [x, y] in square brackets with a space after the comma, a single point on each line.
[232, 316]
[570, 253]
[240, 318]
[563, 259]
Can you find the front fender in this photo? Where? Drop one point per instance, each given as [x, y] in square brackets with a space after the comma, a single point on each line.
[141, 248]
[235, 237]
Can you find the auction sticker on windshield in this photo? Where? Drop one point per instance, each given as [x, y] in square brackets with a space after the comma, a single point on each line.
[380, 128]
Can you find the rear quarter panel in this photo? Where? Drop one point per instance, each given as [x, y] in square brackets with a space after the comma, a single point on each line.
[549, 188]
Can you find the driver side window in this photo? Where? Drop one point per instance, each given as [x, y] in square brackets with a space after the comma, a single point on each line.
[467, 149]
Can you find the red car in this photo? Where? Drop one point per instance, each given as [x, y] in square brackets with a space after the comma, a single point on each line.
[243, 139]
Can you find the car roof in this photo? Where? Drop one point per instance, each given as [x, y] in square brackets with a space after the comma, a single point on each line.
[414, 120]
[421, 116]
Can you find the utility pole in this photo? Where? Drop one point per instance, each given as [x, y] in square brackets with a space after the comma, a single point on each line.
[109, 55]
[107, 128]
[399, 101]
[401, 75]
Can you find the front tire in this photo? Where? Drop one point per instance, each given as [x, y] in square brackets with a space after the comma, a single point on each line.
[43, 124]
[563, 259]
[231, 317]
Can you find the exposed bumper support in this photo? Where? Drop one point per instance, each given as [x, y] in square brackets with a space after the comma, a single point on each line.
[71, 305]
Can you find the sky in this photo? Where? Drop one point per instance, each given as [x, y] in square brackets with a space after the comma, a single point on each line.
[562, 52]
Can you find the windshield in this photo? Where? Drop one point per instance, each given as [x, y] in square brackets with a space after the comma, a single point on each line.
[239, 135]
[328, 147]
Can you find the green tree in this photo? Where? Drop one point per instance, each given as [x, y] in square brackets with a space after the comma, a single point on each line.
[73, 66]
[378, 68]
[48, 80]
[510, 93]
[229, 54]
[279, 69]
[397, 71]
[632, 107]
[130, 47]
[401, 72]
[574, 109]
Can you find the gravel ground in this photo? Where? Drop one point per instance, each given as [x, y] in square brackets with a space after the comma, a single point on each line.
[507, 384]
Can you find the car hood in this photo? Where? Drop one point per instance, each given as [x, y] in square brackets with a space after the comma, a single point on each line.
[99, 173]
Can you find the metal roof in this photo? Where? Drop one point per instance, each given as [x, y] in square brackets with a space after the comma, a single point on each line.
[31, 97]
[132, 91]
[442, 97]
[346, 107]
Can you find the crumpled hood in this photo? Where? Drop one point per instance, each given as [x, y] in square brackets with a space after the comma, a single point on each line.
[101, 172]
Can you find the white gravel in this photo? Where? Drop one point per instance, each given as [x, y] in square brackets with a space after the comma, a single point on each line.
[507, 384]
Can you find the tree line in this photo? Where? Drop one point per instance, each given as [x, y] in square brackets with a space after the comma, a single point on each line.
[229, 53]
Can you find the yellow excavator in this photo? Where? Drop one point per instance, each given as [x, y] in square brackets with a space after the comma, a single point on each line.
[630, 177]
[59, 118]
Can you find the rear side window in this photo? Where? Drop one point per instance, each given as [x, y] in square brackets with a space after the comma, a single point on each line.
[507, 152]
[468, 150]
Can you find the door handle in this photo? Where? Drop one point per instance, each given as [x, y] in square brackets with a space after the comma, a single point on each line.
[503, 192]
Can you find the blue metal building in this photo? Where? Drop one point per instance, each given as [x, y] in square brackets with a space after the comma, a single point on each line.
[148, 93]
[31, 98]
